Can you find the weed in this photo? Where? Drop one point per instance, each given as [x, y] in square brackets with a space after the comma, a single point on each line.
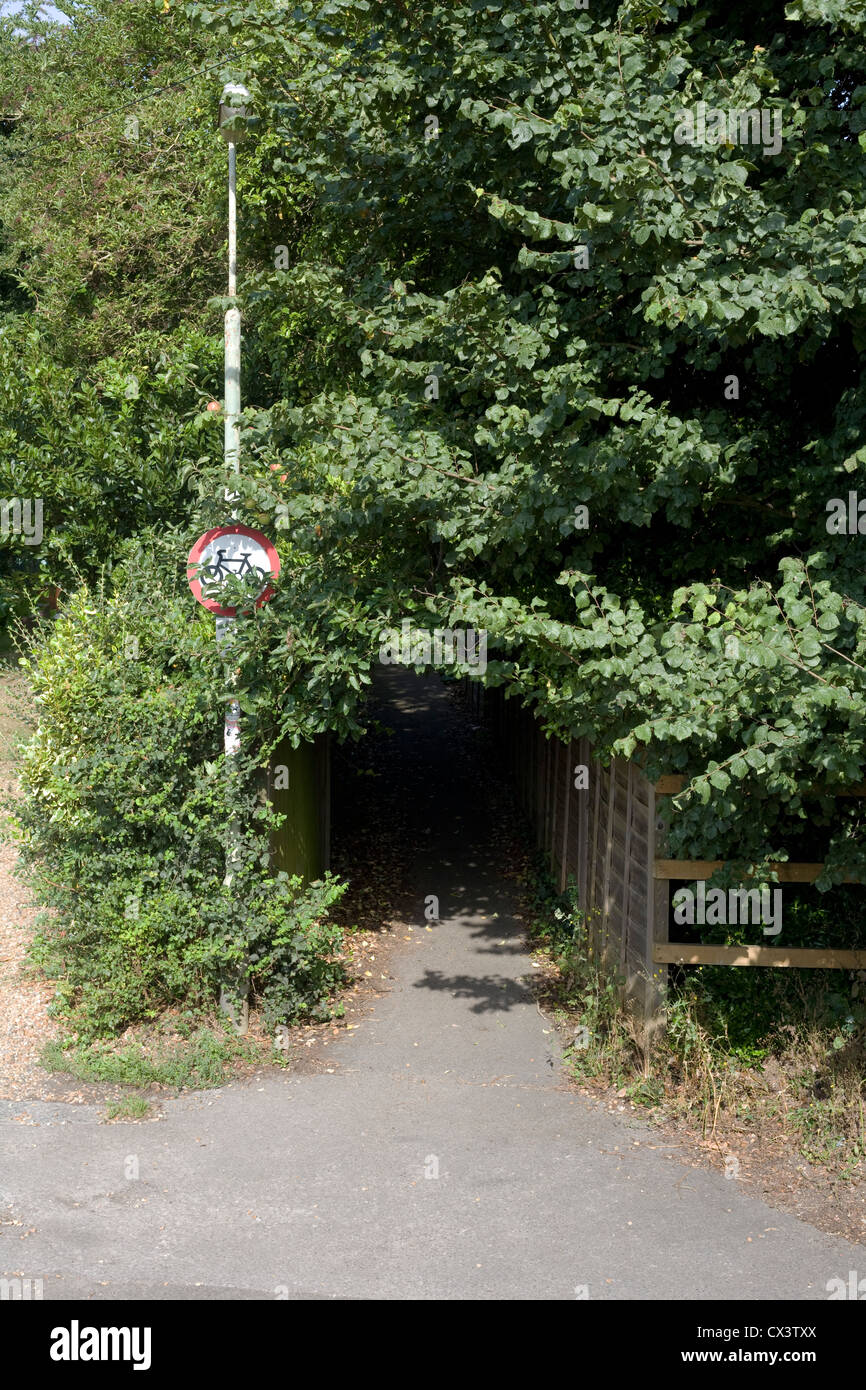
[129, 1108]
[731, 1047]
[201, 1060]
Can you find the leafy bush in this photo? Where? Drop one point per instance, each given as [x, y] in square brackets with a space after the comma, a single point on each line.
[96, 460]
[110, 211]
[128, 804]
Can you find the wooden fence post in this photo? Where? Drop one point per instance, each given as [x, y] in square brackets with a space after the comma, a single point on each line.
[627, 867]
[553, 798]
[608, 850]
[563, 871]
[658, 903]
[583, 824]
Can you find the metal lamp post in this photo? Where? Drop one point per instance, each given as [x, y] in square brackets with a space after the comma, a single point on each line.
[232, 116]
[232, 125]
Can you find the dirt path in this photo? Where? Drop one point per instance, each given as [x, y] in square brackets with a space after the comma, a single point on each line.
[24, 1022]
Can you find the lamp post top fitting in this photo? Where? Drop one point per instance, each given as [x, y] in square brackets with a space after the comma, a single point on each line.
[233, 112]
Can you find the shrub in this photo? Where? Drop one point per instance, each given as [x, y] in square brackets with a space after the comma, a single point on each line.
[127, 808]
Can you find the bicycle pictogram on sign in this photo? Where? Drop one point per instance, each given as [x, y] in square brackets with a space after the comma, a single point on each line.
[231, 552]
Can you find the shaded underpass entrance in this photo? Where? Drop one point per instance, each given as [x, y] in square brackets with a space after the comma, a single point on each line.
[425, 828]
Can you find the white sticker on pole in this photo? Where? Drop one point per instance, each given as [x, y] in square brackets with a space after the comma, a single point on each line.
[232, 730]
[231, 552]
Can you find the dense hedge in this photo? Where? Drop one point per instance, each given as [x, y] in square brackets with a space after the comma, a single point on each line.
[127, 811]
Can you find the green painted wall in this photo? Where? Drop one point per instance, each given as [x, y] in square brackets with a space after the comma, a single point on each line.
[301, 845]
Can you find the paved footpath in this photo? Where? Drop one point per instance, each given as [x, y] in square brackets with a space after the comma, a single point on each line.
[316, 1186]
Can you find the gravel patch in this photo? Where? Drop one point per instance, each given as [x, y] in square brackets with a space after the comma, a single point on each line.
[25, 1026]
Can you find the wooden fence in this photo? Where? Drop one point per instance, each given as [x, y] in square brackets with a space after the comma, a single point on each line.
[602, 836]
[604, 833]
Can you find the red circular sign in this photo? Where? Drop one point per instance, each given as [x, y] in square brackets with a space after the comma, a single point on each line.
[243, 552]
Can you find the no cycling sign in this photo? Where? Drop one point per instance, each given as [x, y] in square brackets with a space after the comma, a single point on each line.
[231, 552]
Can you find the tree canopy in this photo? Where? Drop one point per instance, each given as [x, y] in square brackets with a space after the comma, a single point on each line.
[526, 354]
[536, 299]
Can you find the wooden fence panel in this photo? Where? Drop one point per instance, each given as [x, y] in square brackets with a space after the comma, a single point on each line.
[598, 838]
[608, 841]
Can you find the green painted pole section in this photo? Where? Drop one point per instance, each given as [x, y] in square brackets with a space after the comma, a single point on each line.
[300, 844]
